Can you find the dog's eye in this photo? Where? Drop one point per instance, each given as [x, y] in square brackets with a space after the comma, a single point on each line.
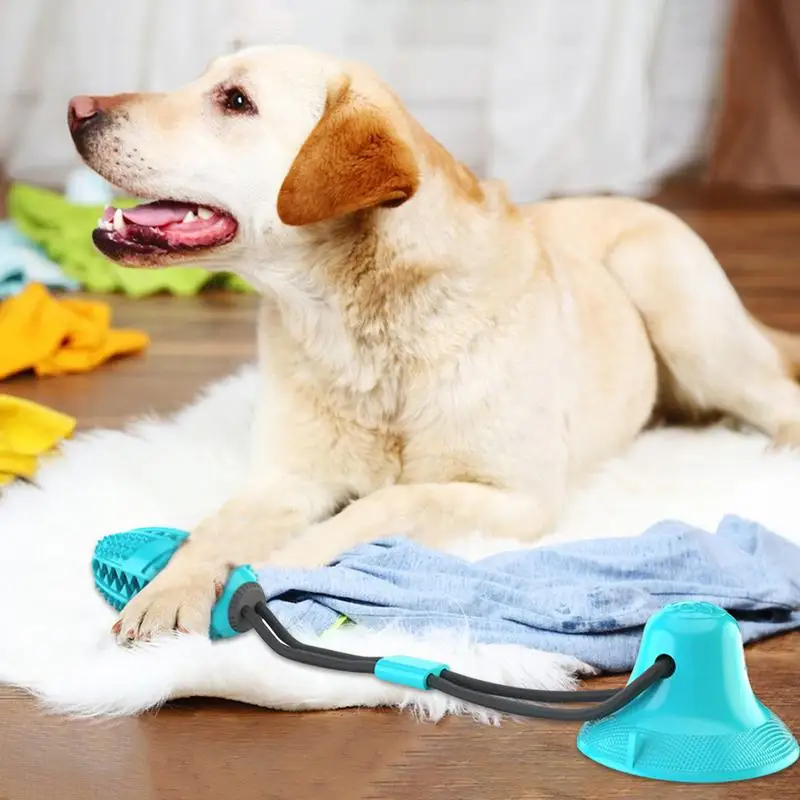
[237, 101]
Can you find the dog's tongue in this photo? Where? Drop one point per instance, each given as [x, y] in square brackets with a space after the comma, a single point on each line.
[157, 214]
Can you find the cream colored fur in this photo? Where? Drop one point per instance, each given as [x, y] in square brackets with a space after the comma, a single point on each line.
[449, 364]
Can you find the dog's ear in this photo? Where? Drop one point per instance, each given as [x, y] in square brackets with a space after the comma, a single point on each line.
[352, 160]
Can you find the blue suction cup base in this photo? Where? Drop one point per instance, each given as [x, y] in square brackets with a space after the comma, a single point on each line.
[688, 758]
[702, 724]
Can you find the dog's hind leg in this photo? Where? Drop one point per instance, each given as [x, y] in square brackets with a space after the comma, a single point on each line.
[716, 357]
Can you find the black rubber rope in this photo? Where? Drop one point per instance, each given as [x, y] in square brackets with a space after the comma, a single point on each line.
[294, 650]
[497, 689]
[262, 609]
[506, 699]
[533, 695]
[662, 668]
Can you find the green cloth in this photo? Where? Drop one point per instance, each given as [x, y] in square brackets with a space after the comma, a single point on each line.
[63, 230]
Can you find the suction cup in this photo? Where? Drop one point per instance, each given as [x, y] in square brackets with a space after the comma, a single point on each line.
[701, 725]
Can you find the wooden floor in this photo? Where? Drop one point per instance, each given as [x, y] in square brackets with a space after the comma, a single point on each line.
[204, 749]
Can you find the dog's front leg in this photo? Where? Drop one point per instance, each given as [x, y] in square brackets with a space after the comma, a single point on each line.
[244, 530]
[430, 513]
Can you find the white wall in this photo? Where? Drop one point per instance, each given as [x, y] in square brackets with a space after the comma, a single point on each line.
[553, 96]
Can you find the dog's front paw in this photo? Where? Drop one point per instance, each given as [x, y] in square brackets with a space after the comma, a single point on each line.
[164, 607]
[786, 439]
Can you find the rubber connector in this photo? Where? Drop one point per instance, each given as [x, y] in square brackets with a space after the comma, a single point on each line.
[247, 595]
[241, 590]
[407, 671]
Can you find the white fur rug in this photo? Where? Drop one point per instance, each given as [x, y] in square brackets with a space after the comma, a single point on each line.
[54, 628]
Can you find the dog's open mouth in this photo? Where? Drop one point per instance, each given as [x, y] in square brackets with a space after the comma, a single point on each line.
[154, 231]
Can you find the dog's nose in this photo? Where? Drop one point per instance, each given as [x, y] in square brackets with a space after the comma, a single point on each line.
[81, 109]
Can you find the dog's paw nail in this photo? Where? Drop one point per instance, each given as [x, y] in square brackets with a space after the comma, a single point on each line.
[116, 627]
[180, 628]
[219, 588]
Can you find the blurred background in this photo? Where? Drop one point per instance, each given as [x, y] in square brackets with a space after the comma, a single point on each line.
[552, 96]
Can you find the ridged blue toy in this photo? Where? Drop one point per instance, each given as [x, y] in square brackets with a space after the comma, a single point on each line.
[701, 725]
[124, 563]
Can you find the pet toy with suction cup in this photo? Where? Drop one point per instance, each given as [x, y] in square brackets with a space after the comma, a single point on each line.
[687, 714]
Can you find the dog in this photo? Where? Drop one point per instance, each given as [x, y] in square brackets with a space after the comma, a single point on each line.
[433, 358]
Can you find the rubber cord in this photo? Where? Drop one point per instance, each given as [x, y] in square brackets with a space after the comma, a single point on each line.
[506, 699]
[663, 667]
[533, 695]
[275, 636]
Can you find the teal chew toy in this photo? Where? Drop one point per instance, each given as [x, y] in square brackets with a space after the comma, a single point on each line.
[124, 563]
[687, 714]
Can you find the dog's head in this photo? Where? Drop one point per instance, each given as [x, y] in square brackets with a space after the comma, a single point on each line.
[266, 141]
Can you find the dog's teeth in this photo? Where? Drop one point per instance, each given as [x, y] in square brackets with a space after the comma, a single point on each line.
[190, 217]
[119, 222]
[204, 213]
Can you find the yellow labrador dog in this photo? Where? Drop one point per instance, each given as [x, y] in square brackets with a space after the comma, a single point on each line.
[434, 359]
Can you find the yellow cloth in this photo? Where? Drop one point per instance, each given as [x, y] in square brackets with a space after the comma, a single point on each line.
[56, 336]
[27, 430]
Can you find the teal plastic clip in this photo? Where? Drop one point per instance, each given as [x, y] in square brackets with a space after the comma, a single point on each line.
[407, 671]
